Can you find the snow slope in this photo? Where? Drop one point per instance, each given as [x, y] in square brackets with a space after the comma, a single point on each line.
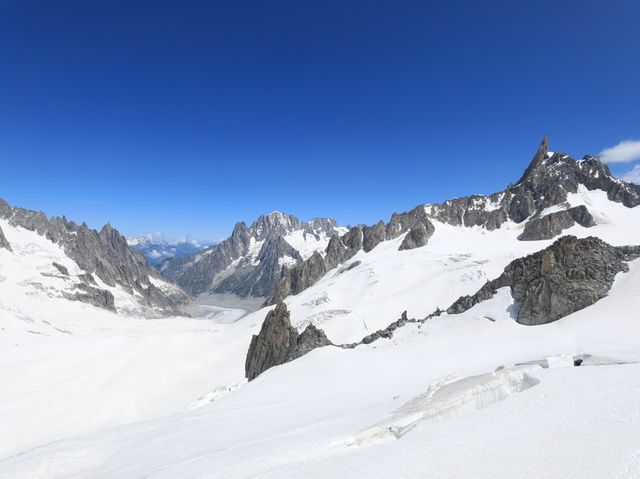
[121, 397]
[304, 418]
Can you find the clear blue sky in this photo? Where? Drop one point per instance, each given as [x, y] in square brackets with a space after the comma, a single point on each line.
[184, 117]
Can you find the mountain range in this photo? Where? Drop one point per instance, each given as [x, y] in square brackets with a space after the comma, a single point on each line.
[487, 335]
[254, 258]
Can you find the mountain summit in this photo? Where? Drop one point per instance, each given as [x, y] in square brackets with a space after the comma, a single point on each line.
[254, 258]
[543, 200]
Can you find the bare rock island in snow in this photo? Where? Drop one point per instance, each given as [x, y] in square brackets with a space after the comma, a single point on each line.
[569, 275]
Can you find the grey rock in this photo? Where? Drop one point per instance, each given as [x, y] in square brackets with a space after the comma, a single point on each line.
[299, 278]
[465, 303]
[100, 298]
[372, 236]
[569, 275]
[61, 268]
[551, 225]
[88, 278]
[418, 236]
[337, 252]
[630, 252]
[278, 342]
[349, 267]
[311, 338]
[3, 241]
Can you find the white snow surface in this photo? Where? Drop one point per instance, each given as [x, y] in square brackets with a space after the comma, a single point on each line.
[90, 394]
[306, 243]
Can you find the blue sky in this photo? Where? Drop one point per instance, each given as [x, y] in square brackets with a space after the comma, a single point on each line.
[185, 117]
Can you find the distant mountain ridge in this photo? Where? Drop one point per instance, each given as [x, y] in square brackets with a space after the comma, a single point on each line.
[254, 258]
[156, 248]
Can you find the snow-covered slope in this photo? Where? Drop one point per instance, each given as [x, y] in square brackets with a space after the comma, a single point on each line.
[461, 395]
[320, 416]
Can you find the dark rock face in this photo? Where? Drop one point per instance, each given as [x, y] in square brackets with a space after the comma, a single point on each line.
[569, 275]
[63, 269]
[100, 298]
[465, 303]
[299, 278]
[196, 273]
[3, 241]
[418, 236]
[278, 342]
[260, 280]
[105, 254]
[551, 225]
[234, 266]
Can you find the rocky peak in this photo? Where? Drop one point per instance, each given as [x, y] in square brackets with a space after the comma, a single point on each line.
[279, 342]
[253, 258]
[538, 159]
[275, 223]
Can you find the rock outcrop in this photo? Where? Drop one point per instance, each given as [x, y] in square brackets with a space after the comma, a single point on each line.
[552, 224]
[3, 241]
[279, 342]
[569, 275]
[100, 298]
[104, 254]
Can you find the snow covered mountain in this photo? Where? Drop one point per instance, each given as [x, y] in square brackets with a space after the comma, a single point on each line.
[550, 197]
[155, 247]
[254, 258]
[56, 258]
[487, 336]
